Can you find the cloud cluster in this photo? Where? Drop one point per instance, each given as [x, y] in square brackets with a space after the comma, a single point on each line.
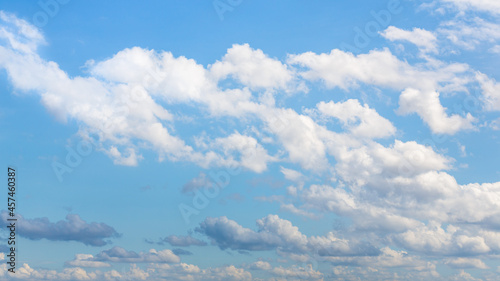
[153, 272]
[278, 234]
[73, 228]
[120, 255]
[391, 191]
[130, 97]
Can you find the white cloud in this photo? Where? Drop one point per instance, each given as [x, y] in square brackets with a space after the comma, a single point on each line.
[491, 6]
[470, 33]
[382, 68]
[361, 120]
[299, 135]
[253, 69]
[466, 263]
[495, 49]
[344, 70]
[153, 271]
[426, 104]
[432, 238]
[120, 159]
[491, 92]
[252, 155]
[495, 124]
[160, 74]
[183, 271]
[389, 258]
[85, 260]
[425, 40]
[19, 33]
[381, 189]
[290, 174]
[298, 273]
[261, 265]
[118, 254]
[294, 210]
[463, 276]
[278, 234]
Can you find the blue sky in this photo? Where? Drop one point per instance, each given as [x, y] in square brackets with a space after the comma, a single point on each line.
[252, 140]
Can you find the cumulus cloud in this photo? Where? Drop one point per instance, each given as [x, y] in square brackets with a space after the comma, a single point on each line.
[185, 271]
[73, 228]
[251, 154]
[301, 137]
[398, 193]
[388, 258]
[382, 68]
[360, 120]
[123, 102]
[254, 69]
[118, 254]
[427, 106]
[278, 234]
[85, 260]
[422, 38]
[260, 265]
[297, 273]
[153, 271]
[466, 263]
[433, 238]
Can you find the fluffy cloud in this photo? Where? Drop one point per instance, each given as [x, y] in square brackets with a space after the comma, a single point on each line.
[254, 69]
[360, 120]
[427, 106]
[400, 193]
[123, 102]
[297, 273]
[382, 68]
[29, 37]
[118, 254]
[490, 6]
[491, 92]
[422, 197]
[153, 272]
[470, 33]
[434, 239]
[261, 265]
[300, 136]
[85, 260]
[291, 174]
[278, 234]
[73, 228]
[422, 38]
[466, 263]
[252, 155]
